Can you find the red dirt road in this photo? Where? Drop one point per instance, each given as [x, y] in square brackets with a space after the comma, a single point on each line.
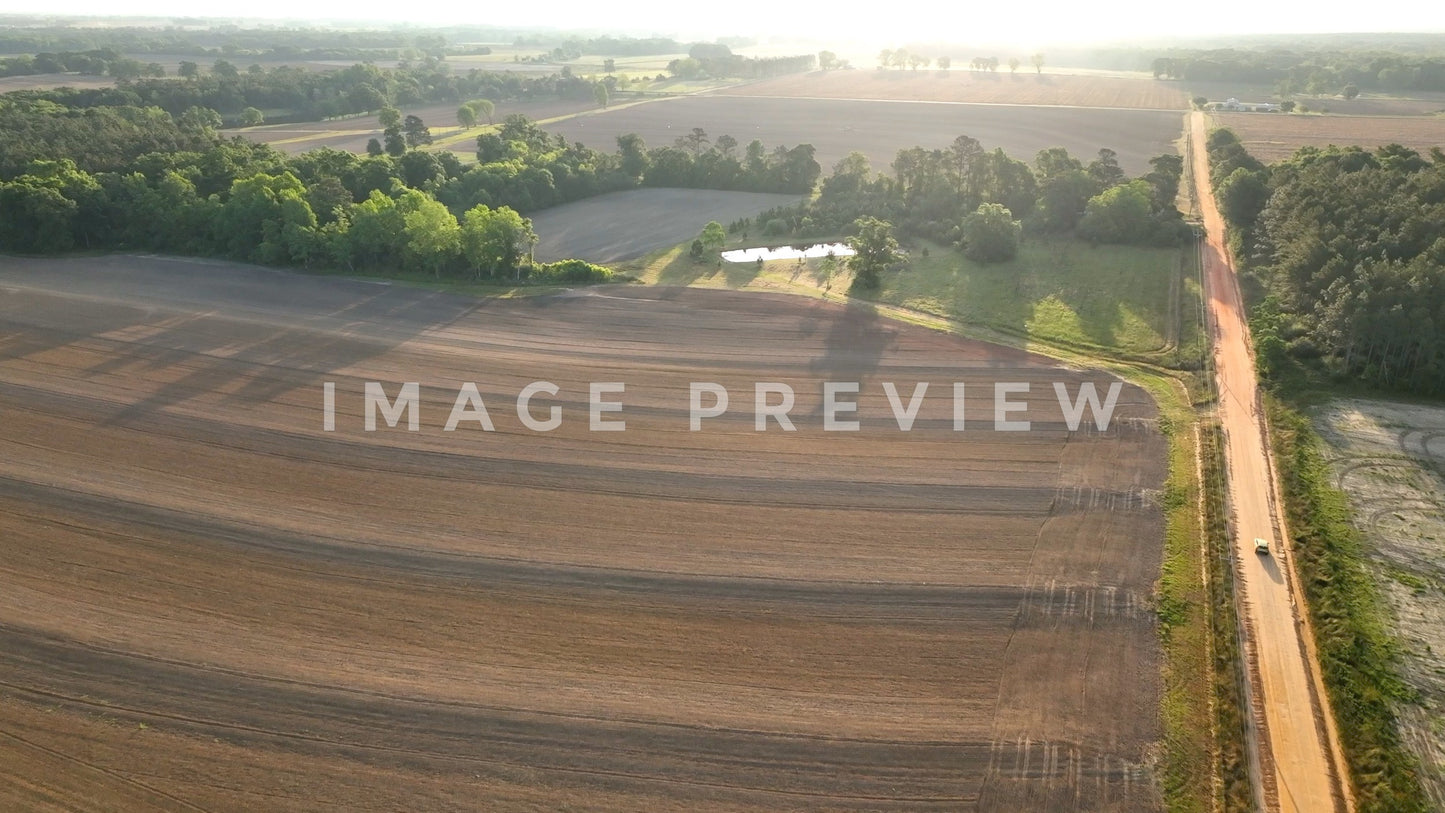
[1301, 770]
[208, 602]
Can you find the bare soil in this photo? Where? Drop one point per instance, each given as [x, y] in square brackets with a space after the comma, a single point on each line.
[209, 603]
[353, 132]
[626, 225]
[1024, 88]
[1275, 136]
[46, 81]
[879, 129]
[1390, 459]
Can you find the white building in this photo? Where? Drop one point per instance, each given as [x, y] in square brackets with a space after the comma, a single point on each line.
[1235, 105]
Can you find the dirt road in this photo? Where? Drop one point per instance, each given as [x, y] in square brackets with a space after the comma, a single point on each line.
[207, 601]
[1301, 769]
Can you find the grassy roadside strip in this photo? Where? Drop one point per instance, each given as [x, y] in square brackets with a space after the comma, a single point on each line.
[1358, 653]
[1232, 768]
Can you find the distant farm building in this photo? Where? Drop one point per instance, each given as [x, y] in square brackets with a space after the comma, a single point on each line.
[1234, 105]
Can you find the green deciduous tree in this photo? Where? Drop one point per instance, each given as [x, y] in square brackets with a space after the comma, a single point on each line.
[415, 131]
[494, 241]
[877, 251]
[713, 236]
[433, 238]
[990, 234]
[1121, 214]
[1062, 198]
[484, 108]
[1242, 196]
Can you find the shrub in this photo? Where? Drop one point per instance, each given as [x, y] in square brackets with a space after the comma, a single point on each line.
[571, 271]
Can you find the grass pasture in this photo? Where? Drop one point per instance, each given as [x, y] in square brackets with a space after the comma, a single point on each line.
[1115, 299]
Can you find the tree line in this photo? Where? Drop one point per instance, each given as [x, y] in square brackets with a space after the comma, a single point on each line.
[123, 178]
[984, 201]
[1349, 246]
[1310, 72]
[718, 61]
[231, 41]
[302, 95]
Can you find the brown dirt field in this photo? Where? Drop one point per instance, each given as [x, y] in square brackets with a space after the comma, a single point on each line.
[879, 129]
[1275, 136]
[655, 219]
[46, 81]
[1023, 88]
[352, 133]
[208, 603]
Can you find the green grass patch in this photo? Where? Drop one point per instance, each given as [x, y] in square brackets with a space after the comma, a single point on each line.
[1057, 291]
[1187, 774]
[1231, 759]
[1358, 653]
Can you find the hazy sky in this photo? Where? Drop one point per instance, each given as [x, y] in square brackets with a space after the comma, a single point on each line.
[1022, 21]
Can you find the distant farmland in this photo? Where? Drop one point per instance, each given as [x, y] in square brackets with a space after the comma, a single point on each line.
[46, 81]
[879, 129]
[1270, 137]
[653, 218]
[1025, 87]
[352, 132]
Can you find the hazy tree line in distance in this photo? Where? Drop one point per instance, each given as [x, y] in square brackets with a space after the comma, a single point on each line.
[1349, 246]
[302, 95]
[717, 60]
[224, 40]
[1312, 72]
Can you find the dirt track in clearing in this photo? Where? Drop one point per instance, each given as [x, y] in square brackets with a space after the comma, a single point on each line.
[207, 602]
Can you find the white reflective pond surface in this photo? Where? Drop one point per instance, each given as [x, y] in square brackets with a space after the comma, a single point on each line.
[749, 255]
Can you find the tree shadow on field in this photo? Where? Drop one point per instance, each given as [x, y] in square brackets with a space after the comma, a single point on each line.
[253, 335]
[738, 275]
[683, 270]
[856, 340]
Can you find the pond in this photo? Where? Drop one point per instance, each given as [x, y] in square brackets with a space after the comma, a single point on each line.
[749, 255]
